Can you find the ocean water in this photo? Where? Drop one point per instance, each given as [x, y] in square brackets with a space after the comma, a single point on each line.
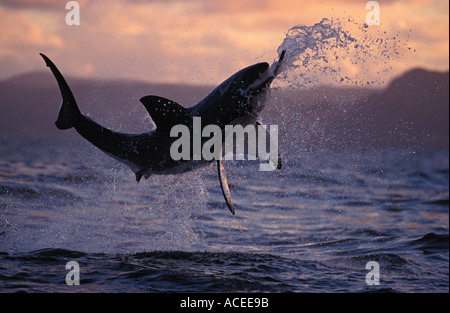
[312, 227]
[349, 220]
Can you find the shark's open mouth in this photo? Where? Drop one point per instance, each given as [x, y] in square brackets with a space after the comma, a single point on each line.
[265, 78]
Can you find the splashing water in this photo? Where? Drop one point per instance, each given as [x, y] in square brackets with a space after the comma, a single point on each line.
[329, 53]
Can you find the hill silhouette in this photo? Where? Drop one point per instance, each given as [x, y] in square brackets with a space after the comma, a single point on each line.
[412, 111]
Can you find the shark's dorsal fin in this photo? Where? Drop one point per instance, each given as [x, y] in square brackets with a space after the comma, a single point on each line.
[164, 112]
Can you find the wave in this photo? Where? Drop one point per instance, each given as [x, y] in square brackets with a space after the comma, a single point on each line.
[18, 190]
[432, 241]
[157, 271]
[23, 192]
[444, 202]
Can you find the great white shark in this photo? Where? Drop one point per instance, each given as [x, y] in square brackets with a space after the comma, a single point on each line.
[237, 101]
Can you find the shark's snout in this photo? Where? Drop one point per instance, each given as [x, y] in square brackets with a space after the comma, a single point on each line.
[261, 77]
[261, 68]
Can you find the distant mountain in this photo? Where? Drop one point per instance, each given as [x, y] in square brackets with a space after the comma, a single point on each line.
[413, 110]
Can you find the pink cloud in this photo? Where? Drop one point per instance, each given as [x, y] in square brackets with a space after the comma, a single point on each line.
[193, 41]
[42, 4]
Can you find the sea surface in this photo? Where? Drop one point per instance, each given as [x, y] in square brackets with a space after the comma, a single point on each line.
[312, 227]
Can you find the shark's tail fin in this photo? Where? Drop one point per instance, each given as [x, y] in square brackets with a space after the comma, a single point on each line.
[69, 108]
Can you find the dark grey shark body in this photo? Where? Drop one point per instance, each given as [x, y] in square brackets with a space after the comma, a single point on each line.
[238, 100]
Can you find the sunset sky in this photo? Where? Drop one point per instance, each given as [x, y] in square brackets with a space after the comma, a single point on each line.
[196, 41]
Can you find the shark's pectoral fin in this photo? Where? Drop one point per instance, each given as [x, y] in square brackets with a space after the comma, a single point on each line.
[269, 143]
[280, 163]
[165, 113]
[224, 186]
